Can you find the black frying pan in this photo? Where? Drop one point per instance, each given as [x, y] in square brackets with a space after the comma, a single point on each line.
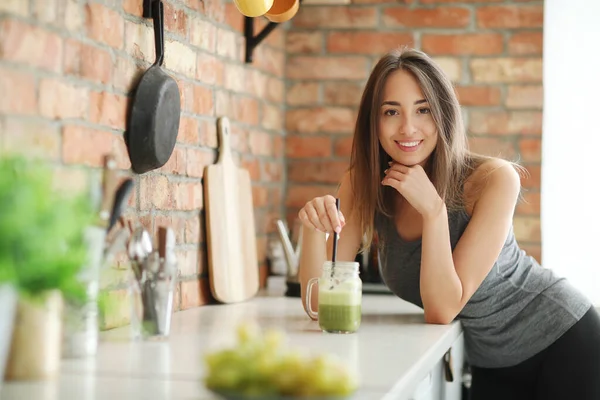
[154, 121]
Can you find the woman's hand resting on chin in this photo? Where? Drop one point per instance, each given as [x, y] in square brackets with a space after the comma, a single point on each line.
[414, 185]
[322, 215]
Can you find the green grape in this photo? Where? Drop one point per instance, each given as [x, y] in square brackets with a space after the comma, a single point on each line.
[273, 339]
[327, 376]
[293, 366]
[247, 332]
[215, 360]
[318, 376]
[267, 365]
[290, 372]
[285, 382]
[224, 357]
[260, 366]
[224, 378]
[346, 386]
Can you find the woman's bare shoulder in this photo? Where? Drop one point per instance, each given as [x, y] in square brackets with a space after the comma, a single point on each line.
[491, 171]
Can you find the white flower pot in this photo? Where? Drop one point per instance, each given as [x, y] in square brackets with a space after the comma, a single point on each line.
[8, 306]
[35, 351]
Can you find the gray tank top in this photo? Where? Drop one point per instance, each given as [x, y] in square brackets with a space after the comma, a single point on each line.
[519, 309]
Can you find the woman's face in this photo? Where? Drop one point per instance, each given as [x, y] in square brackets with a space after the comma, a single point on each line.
[407, 131]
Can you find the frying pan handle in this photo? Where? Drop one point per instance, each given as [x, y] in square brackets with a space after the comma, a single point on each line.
[159, 30]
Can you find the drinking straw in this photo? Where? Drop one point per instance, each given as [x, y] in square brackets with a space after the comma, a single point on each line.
[335, 240]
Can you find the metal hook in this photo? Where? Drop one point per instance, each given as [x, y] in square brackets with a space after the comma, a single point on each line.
[147, 11]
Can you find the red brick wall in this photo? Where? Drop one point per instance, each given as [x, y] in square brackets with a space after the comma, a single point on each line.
[492, 50]
[67, 71]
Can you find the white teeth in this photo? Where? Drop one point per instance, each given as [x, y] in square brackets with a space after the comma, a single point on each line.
[409, 144]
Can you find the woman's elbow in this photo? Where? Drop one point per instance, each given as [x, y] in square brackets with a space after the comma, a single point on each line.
[439, 317]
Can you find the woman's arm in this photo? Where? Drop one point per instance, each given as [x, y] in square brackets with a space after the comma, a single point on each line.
[449, 279]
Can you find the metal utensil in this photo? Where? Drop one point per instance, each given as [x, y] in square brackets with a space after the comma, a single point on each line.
[109, 179]
[138, 249]
[166, 248]
[117, 242]
[292, 255]
[121, 198]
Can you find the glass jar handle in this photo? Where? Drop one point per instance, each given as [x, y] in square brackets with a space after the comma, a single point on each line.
[314, 315]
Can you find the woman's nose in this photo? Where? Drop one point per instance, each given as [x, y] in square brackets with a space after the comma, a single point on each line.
[407, 127]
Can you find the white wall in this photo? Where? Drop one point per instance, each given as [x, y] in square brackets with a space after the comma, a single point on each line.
[570, 205]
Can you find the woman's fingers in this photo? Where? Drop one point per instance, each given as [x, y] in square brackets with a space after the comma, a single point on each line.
[315, 218]
[321, 205]
[393, 174]
[399, 167]
[334, 217]
[304, 216]
[321, 214]
[310, 217]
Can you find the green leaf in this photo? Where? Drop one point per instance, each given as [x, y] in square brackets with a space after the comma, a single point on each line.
[41, 230]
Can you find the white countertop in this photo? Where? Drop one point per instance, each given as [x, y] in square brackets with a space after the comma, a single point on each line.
[391, 352]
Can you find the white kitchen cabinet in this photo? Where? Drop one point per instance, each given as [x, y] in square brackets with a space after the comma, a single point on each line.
[453, 390]
[435, 386]
[430, 387]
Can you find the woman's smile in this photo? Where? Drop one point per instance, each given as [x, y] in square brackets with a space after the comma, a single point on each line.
[409, 147]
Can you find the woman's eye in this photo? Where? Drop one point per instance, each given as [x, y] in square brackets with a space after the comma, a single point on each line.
[424, 110]
[390, 112]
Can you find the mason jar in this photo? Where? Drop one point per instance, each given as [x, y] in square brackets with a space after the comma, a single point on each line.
[340, 297]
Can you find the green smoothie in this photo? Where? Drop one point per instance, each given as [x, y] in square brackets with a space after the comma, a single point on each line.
[339, 310]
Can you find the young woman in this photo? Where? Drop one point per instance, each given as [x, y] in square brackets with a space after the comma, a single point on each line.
[443, 218]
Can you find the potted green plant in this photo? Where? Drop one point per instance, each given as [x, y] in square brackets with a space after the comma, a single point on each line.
[42, 250]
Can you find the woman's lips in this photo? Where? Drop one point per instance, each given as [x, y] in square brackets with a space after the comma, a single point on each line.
[409, 146]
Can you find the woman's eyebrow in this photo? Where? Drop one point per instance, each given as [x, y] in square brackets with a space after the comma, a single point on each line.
[397, 104]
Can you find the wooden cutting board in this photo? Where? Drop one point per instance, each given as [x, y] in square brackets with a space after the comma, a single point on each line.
[229, 217]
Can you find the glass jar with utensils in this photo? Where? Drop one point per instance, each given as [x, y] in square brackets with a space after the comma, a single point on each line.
[153, 283]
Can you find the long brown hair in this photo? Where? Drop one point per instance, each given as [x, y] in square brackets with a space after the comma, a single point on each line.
[450, 163]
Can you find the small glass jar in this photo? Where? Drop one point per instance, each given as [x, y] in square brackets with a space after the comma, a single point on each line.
[340, 297]
[152, 297]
